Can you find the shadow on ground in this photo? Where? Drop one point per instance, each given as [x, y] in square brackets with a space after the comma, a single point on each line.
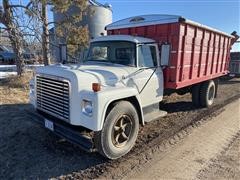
[30, 151]
[174, 107]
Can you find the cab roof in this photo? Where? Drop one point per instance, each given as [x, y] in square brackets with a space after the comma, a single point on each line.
[129, 38]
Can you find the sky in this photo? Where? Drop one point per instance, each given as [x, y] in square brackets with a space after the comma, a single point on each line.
[223, 15]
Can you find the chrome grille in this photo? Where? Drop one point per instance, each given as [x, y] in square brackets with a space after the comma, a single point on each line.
[53, 96]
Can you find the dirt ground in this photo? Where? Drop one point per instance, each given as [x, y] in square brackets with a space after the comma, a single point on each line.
[226, 165]
[191, 156]
[28, 151]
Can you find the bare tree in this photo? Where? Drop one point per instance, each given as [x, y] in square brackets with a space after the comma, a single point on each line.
[20, 23]
[24, 20]
[45, 34]
[7, 19]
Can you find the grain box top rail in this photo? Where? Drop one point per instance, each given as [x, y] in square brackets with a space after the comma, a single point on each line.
[153, 19]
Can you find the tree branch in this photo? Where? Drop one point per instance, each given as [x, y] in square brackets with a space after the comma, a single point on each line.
[21, 6]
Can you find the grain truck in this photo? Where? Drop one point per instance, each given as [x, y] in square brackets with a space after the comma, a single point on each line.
[100, 103]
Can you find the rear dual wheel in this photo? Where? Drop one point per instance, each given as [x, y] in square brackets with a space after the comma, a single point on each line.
[203, 94]
[196, 95]
[119, 131]
[207, 93]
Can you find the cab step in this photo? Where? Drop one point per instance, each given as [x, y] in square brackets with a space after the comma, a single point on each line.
[154, 115]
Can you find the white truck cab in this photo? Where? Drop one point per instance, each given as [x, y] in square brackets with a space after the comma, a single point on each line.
[110, 93]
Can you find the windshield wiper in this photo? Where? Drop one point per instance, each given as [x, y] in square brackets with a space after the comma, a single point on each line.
[142, 69]
[135, 72]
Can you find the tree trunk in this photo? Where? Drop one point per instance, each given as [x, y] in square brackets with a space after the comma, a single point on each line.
[14, 36]
[45, 36]
[17, 48]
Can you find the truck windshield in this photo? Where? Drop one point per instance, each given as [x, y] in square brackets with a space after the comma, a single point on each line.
[118, 52]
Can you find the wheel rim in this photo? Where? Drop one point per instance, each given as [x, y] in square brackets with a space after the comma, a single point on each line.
[211, 93]
[122, 130]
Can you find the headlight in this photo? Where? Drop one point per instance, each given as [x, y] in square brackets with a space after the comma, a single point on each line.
[87, 107]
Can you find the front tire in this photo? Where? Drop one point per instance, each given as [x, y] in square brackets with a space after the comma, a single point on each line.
[119, 131]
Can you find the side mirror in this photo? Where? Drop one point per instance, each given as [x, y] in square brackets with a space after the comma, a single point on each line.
[165, 54]
[63, 53]
[85, 54]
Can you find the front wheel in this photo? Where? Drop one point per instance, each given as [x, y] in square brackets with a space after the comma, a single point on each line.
[119, 131]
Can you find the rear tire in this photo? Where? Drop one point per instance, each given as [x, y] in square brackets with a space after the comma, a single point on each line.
[119, 131]
[196, 95]
[207, 93]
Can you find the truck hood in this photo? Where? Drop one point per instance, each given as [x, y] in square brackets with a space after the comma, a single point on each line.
[86, 74]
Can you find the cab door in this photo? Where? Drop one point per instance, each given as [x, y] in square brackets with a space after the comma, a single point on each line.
[149, 80]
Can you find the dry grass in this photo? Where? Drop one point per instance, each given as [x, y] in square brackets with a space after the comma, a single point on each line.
[17, 81]
[14, 90]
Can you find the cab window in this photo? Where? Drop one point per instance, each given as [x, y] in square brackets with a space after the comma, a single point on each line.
[147, 56]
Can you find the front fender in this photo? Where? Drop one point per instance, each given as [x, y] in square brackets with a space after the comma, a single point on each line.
[105, 98]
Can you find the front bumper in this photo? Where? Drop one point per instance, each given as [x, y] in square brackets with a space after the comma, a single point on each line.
[66, 131]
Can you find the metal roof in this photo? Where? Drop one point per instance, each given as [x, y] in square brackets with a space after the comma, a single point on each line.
[95, 3]
[153, 19]
[134, 39]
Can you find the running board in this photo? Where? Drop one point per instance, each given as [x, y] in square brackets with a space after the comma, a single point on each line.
[154, 115]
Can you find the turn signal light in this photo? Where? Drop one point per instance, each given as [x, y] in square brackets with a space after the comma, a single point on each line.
[96, 87]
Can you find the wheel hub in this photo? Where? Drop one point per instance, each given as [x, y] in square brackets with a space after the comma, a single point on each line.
[122, 131]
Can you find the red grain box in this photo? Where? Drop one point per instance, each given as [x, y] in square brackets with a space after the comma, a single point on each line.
[198, 52]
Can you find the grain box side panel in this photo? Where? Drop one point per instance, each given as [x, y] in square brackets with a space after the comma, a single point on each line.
[203, 55]
[197, 53]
